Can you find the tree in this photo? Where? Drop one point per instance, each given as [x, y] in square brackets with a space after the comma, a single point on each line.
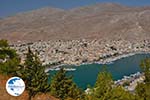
[105, 89]
[143, 89]
[145, 66]
[9, 60]
[118, 93]
[103, 84]
[64, 88]
[3, 43]
[34, 75]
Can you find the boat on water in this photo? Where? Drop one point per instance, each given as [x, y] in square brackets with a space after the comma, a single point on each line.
[69, 69]
[66, 69]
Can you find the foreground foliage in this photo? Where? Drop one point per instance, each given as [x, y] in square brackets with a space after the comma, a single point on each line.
[63, 87]
[105, 89]
[143, 89]
[34, 75]
[9, 60]
[145, 66]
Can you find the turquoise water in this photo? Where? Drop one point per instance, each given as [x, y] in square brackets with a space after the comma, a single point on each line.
[86, 74]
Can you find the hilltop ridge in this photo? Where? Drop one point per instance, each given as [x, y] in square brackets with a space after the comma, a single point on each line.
[100, 21]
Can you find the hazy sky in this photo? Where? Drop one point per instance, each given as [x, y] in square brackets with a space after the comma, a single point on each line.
[11, 7]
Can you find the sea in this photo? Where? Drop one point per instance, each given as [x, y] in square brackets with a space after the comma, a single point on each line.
[86, 74]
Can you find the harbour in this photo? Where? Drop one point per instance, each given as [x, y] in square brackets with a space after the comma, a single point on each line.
[86, 74]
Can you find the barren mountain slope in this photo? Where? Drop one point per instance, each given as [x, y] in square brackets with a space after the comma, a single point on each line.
[101, 21]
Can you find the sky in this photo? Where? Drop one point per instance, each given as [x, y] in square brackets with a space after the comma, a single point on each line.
[11, 7]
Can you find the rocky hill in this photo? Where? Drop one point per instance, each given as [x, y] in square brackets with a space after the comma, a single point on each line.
[99, 21]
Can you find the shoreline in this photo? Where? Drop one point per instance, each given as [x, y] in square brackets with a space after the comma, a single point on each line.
[108, 60]
[112, 59]
[79, 52]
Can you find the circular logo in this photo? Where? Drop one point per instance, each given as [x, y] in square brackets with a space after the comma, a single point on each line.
[15, 86]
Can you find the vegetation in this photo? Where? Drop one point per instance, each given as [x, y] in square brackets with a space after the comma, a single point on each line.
[34, 75]
[9, 59]
[143, 89]
[3, 43]
[145, 66]
[105, 89]
[103, 85]
[63, 87]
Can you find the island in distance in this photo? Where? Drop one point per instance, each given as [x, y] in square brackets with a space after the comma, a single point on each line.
[95, 33]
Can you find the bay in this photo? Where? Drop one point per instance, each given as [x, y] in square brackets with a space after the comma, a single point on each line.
[86, 74]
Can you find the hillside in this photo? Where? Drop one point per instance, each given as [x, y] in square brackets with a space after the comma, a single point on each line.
[100, 21]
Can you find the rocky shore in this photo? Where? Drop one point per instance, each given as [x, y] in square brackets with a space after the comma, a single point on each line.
[76, 52]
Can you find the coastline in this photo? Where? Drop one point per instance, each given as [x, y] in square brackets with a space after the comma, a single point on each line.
[112, 59]
[83, 51]
[108, 60]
